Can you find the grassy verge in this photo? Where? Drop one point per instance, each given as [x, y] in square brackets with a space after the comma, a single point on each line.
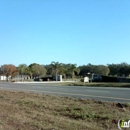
[96, 84]
[31, 111]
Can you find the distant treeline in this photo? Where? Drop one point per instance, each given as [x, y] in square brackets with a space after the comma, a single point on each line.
[121, 70]
[67, 70]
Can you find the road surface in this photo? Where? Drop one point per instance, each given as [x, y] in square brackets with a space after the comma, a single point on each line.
[96, 93]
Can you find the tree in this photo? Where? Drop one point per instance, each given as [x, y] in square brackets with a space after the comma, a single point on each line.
[122, 69]
[84, 70]
[73, 69]
[22, 69]
[113, 69]
[64, 71]
[1, 72]
[29, 71]
[56, 66]
[102, 70]
[97, 69]
[36, 70]
[9, 70]
[49, 69]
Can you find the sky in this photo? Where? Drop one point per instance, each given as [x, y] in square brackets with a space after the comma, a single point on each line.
[67, 31]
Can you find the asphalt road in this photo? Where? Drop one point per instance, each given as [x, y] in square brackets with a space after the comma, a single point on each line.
[96, 93]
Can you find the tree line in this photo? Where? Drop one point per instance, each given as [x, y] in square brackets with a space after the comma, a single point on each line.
[67, 70]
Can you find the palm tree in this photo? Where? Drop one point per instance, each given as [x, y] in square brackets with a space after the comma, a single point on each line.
[22, 70]
[30, 71]
[56, 66]
[73, 68]
[64, 71]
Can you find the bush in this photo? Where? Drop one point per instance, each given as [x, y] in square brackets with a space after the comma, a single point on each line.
[82, 80]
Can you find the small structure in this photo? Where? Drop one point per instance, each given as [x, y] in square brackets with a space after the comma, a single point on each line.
[3, 78]
[86, 79]
[49, 78]
[59, 78]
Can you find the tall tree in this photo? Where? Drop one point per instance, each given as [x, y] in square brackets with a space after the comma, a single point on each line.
[113, 69]
[36, 70]
[29, 72]
[64, 71]
[73, 69]
[22, 69]
[56, 66]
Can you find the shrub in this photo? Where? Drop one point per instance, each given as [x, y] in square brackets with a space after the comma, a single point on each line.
[82, 80]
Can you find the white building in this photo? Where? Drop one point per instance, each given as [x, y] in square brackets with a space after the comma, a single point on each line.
[3, 78]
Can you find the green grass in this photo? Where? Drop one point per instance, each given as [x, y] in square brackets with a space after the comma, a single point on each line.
[31, 111]
[95, 84]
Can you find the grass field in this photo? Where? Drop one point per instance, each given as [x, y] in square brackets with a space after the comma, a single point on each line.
[31, 111]
[97, 84]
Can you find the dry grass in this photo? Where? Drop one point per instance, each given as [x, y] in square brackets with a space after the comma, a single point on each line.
[31, 111]
[96, 84]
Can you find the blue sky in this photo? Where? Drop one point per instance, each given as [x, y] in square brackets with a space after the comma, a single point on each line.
[67, 31]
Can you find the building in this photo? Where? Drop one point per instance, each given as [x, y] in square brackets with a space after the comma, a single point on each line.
[3, 78]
